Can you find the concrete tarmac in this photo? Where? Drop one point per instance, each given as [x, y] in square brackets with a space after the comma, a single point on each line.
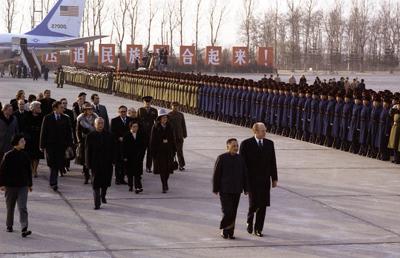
[328, 204]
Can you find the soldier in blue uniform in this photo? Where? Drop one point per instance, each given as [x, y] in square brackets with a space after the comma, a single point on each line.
[262, 99]
[329, 117]
[306, 117]
[354, 129]
[292, 112]
[233, 103]
[299, 114]
[257, 106]
[286, 112]
[200, 98]
[314, 116]
[224, 100]
[270, 97]
[279, 112]
[207, 98]
[228, 101]
[345, 121]
[274, 108]
[364, 125]
[374, 126]
[385, 125]
[252, 104]
[337, 121]
[238, 103]
[323, 104]
[245, 105]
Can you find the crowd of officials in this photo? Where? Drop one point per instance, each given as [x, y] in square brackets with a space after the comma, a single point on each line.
[41, 127]
[341, 114]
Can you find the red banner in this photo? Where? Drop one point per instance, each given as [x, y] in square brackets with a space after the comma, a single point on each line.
[79, 55]
[51, 58]
[266, 56]
[156, 48]
[187, 55]
[213, 55]
[106, 54]
[134, 52]
[240, 56]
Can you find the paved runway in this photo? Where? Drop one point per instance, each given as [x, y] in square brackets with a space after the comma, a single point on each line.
[328, 204]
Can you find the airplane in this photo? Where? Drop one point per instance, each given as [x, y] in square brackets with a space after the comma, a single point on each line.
[58, 31]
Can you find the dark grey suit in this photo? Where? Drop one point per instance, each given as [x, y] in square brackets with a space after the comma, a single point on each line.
[101, 111]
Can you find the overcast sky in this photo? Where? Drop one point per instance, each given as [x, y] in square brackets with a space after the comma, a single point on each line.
[229, 30]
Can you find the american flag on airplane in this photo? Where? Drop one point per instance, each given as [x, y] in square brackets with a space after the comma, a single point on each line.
[69, 10]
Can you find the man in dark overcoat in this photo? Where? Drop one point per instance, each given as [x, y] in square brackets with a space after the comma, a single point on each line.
[133, 149]
[177, 121]
[55, 138]
[259, 156]
[99, 158]
[147, 115]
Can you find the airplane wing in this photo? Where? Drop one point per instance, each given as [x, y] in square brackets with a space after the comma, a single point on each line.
[75, 41]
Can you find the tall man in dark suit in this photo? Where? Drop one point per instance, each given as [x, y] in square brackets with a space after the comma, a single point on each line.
[259, 156]
[119, 128]
[147, 115]
[55, 138]
[100, 110]
[178, 123]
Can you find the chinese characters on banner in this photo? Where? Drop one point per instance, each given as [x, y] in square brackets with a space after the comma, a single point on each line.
[51, 58]
[134, 52]
[213, 55]
[79, 55]
[106, 54]
[156, 48]
[266, 56]
[187, 55]
[240, 56]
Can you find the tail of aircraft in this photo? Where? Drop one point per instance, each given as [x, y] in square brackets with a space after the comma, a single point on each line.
[63, 20]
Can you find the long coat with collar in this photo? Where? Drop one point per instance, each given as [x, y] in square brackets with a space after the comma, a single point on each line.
[119, 129]
[133, 151]
[99, 157]
[177, 121]
[32, 128]
[261, 169]
[8, 128]
[162, 152]
[55, 137]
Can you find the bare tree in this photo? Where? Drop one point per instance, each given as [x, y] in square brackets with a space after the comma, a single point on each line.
[9, 14]
[172, 24]
[215, 20]
[119, 19]
[133, 17]
[248, 19]
[152, 14]
[294, 21]
[163, 24]
[197, 21]
[334, 26]
[180, 19]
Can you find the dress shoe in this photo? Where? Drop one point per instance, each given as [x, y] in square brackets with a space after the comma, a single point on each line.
[137, 191]
[55, 188]
[181, 168]
[140, 190]
[148, 170]
[103, 199]
[25, 232]
[231, 237]
[249, 228]
[258, 233]
[86, 182]
[97, 208]
[224, 235]
[130, 189]
[10, 229]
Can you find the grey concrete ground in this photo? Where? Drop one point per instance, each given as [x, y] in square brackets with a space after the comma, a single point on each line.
[328, 204]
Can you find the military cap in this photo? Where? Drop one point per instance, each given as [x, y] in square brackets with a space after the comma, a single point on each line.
[147, 98]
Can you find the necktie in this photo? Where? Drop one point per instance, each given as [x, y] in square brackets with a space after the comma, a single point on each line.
[57, 117]
[260, 144]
